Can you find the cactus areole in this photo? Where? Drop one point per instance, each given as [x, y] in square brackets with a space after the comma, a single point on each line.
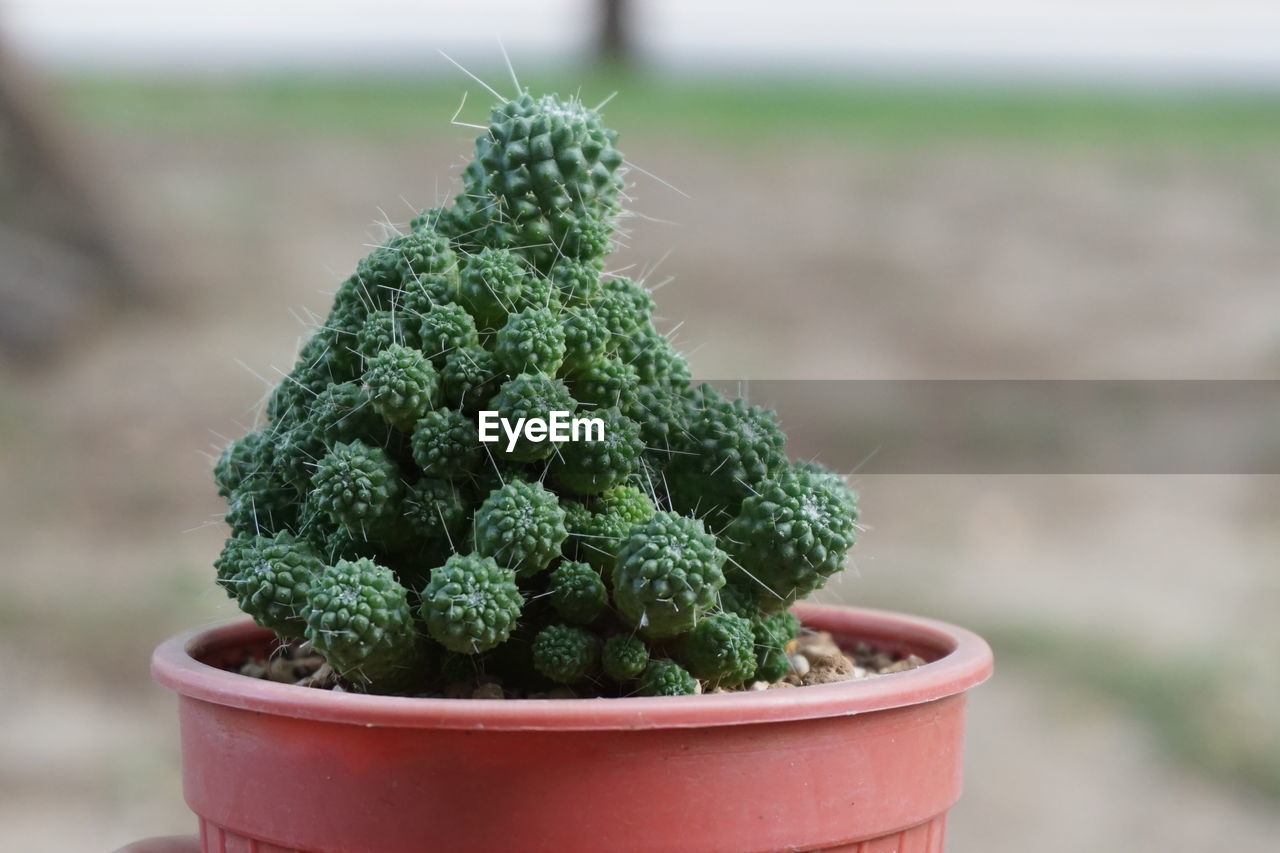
[488, 459]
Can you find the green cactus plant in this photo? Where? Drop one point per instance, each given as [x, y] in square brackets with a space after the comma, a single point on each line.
[358, 616]
[371, 516]
[624, 657]
[577, 592]
[721, 649]
[566, 653]
[521, 525]
[471, 604]
[665, 677]
[273, 581]
[666, 574]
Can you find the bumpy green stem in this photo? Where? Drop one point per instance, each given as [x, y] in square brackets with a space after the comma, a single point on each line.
[367, 515]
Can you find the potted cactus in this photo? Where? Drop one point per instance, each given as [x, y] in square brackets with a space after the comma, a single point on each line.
[489, 476]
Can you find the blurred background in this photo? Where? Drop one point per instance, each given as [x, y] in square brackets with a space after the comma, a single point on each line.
[879, 190]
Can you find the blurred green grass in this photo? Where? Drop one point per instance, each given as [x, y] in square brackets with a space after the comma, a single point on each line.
[1185, 705]
[730, 112]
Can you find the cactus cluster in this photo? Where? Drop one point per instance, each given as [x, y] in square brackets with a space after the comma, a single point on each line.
[368, 517]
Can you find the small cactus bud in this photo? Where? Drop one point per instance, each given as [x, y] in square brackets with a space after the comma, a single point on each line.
[721, 649]
[667, 574]
[402, 385]
[624, 657]
[663, 677]
[521, 526]
[358, 618]
[471, 604]
[359, 487]
[565, 653]
[577, 592]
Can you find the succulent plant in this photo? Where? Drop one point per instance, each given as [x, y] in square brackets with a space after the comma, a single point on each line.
[596, 533]
[372, 515]
[665, 677]
[402, 384]
[624, 657]
[383, 328]
[469, 377]
[471, 604]
[721, 649]
[577, 592]
[594, 465]
[445, 328]
[727, 447]
[273, 580]
[792, 534]
[545, 183]
[492, 286]
[666, 574]
[438, 512]
[359, 487]
[531, 341]
[446, 444]
[531, 395]
[566, 653]
[358, 617]
[521, 526]
[772, 634]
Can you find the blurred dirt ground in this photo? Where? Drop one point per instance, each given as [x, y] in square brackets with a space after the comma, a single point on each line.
[1136, 695]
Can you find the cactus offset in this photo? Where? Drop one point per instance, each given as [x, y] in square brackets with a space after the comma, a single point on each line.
[566, 653]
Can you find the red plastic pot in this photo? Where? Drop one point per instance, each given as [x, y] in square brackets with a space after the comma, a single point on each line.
[869, 766]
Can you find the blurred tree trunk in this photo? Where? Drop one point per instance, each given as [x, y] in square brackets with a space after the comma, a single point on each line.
[61, 262]
[613, 40]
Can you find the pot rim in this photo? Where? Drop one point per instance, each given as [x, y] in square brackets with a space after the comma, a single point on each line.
[964, 661]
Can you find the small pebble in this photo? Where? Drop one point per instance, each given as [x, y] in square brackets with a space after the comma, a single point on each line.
[813, 658]
[488, 690]
[828, 669]
[909, 662]
[253, 669]
[322, 677]
[281, 669]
